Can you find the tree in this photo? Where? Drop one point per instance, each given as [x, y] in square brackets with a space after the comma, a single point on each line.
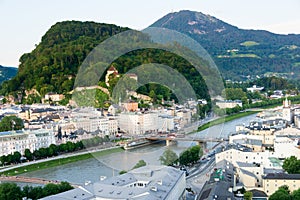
[283, 193]
[35, 193]
[153, 95]
[169, 157]
[52, 150]
[64, 186]
[70, 146]
[296, 194]
[26, 190]
[9, 191]
[190, 155]
[196, 153]
[9, 123]
[234, 93]
[16, 157]
[122, 172]
[50, 189]
[248, 195]
[3, 160]
[291, 165]
[141, 163]
[28, 154]
[185, 157]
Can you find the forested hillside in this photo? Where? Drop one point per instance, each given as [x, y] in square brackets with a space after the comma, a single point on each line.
[237, 52]
[52, 66]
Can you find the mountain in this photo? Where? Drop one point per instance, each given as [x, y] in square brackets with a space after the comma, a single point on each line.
[7, 73]
[238, 52]
[52, 66]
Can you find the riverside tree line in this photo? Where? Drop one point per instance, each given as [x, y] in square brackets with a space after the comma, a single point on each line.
[52, 150]
[10, 191]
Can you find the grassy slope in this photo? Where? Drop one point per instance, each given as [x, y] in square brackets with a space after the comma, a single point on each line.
[61, 161]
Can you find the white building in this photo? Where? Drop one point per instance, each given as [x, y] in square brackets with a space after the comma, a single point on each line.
[91, 120]
[93, 124]
[12, 141]
[112, 126]
[234, 156]
[185, 116]
[229, 104]
[250, 174]
[166, 123]
[285, 147]
[254, 88]
[138, 123]
[144, 183]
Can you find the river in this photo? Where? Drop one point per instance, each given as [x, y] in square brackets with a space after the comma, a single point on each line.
[110, 165]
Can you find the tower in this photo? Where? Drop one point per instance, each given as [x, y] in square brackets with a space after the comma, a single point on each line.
[286, 111]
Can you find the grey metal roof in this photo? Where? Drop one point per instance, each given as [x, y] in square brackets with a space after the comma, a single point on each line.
[282, 176]
[219, 189]
[78, 194]
[158, 182]
[248, 173]
[244, 164]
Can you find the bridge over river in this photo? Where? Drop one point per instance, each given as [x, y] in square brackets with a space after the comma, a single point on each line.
[146, 140]
[201, 141]
[23, 179]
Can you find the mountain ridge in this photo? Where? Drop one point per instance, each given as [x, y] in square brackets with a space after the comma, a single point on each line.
[273, 52]
[238, 53]
[7, 73]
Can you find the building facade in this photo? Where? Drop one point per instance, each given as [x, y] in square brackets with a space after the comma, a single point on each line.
[138, 123]
[229, 104]
[272, 181]
[12, 141]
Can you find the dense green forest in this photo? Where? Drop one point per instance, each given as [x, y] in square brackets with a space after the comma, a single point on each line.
[53, 64]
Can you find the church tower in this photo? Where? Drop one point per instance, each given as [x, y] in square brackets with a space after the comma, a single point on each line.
[286, 110]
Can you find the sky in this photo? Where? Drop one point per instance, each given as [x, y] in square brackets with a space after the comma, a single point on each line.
[23, 23]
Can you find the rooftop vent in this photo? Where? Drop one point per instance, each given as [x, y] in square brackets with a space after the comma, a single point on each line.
[159, 182]
[153, 188]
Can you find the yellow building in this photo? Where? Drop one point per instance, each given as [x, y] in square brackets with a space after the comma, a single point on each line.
[272, 181]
